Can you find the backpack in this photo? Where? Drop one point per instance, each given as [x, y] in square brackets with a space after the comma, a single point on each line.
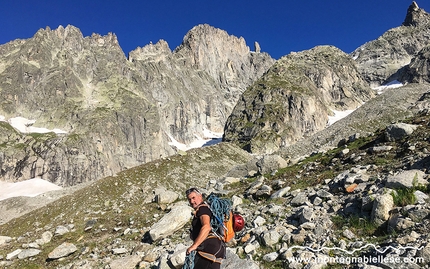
[222, 221]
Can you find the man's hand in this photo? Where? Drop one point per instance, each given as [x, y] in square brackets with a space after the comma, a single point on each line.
[192, 248]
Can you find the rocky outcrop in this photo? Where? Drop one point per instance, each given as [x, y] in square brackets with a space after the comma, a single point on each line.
[392, 106]
[379, 60]
[419, 68]
[117, 112]
[294, 99]
[416, 16]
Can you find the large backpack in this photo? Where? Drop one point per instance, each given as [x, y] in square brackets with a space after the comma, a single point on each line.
[222, 221]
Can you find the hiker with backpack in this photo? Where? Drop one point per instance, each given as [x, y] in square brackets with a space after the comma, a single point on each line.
[213, 225]
[208, 249]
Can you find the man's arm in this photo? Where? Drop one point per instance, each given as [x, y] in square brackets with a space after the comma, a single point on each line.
[204, 232]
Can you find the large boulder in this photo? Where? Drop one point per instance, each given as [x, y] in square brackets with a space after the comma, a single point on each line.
[407, 179]
[397, 131]
[381, 208]
[171, 222]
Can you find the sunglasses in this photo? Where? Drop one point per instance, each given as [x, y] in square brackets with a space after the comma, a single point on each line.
[187, 192]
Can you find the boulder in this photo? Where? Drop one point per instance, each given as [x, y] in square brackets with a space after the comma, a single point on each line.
[406, 179]
[271, 163]
[62, 250]
[381, 208]
[171, 222]
[127, 262]
[398, 131]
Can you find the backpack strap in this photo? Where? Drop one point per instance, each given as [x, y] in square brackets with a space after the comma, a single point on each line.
[210, 256]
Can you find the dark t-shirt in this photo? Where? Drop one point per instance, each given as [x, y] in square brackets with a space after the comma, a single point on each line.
[211, 245]
[196, 223]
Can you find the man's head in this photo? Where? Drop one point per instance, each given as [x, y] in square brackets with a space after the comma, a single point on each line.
[194, 196]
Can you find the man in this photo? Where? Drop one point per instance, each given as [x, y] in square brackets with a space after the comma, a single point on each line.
[209, 247]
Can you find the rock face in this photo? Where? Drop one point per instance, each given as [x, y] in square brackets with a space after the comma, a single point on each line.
[416, 16]
[118, 112]
[391, 106]
[380, 59]
[293, 99]
[418, 70]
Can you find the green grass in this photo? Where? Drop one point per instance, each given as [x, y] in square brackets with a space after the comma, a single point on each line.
[360, 226]
[404, 196]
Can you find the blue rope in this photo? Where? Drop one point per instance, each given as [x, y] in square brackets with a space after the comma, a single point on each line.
[220, 210]
[189, 260]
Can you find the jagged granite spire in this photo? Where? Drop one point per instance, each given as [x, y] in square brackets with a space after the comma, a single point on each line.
[416, 16]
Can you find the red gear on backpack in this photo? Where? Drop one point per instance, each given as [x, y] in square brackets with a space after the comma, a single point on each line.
[238, 222]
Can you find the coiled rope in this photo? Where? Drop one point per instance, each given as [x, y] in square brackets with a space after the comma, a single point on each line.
[189, 260]
[221, 211]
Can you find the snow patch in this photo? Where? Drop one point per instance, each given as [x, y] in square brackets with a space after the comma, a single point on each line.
[338, 115]
[30, 188]
[392, 85]
[210, 138]
[24, 125]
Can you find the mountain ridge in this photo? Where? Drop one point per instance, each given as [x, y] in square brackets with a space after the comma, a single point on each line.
[362, 181]
[63, 80]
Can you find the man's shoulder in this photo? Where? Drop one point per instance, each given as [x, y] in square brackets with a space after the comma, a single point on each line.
[203, 209]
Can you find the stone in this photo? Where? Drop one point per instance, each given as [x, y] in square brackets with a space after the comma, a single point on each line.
[264, 191]
[397, 131]
[126, 262]
[280, 193]
[324, 194]
[271, 163]
[406, 179]
[4, 240]
[259, 221]
[13, 254]
[422, 198]
[381, 208]
[163, 196]
[348, 234]
[378, 149]
[270, 238]
[60, 230]
[171, 222]
[177, 259]
[233, 261]
[425, 253]
[62, 250]
[299, 199]
[306, 215]
[270, 257]
[151, 256]
[118, 251]
[26, 253]
[46, 238]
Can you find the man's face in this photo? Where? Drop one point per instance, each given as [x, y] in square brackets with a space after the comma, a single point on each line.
[195, 199]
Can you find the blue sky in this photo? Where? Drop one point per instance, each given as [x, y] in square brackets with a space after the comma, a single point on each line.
[280, 26]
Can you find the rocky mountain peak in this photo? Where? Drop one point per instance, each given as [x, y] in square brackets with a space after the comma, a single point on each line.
[394, 49]
[156, 97]
[207, 46]
[154, 51]
[416, 16]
